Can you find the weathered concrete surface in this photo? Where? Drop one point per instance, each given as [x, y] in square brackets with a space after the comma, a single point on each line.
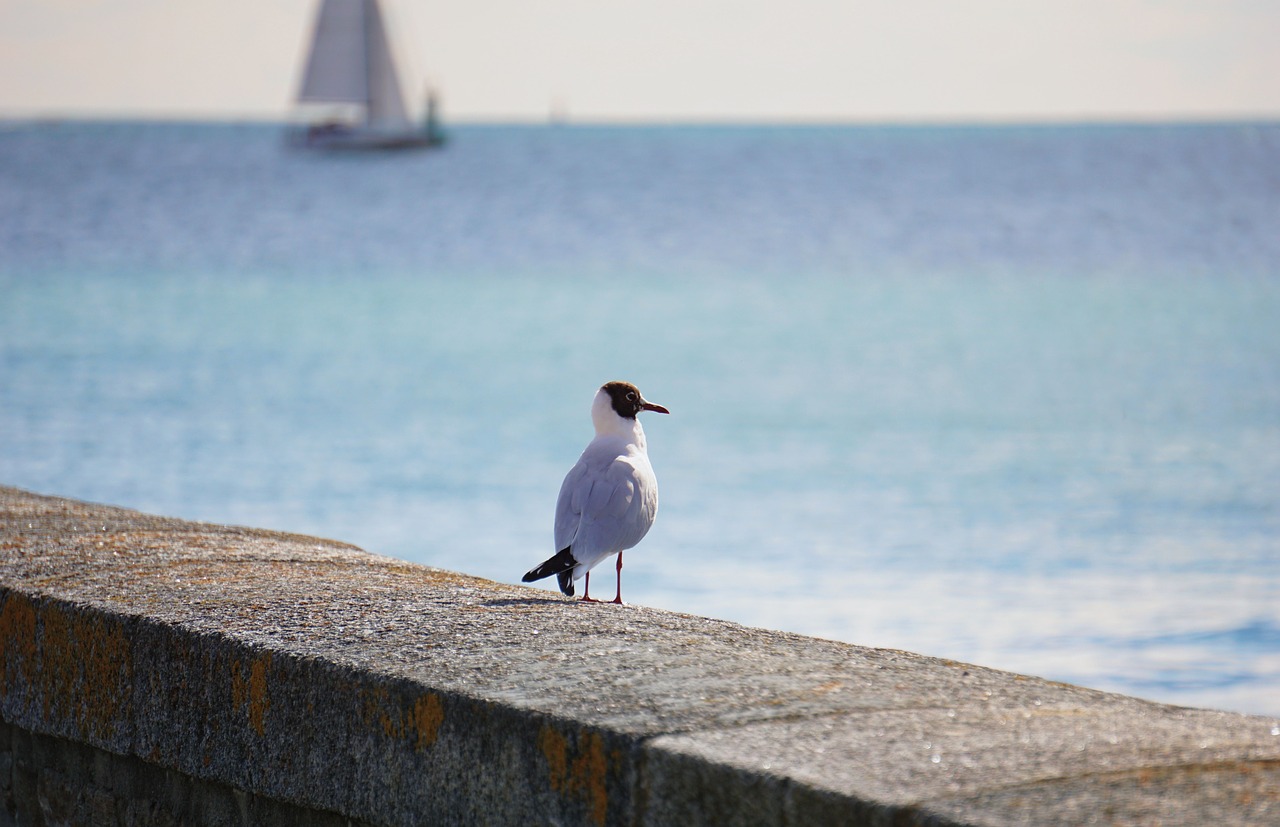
[46, 781]
[310, 672]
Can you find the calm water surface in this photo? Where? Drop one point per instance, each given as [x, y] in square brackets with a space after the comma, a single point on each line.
[1003, 395]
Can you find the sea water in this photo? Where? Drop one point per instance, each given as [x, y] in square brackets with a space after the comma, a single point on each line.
[1005, 395]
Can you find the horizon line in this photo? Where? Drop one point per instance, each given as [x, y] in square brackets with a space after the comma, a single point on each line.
[1027, 119]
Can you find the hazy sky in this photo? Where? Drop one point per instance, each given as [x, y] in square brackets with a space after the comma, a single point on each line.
[669, 59]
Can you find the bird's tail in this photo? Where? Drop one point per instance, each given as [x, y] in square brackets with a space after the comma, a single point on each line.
[561, 565]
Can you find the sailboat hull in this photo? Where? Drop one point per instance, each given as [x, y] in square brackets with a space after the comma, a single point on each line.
[358, 139]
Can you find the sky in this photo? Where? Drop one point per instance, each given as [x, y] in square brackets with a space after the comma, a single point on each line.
[668, 60]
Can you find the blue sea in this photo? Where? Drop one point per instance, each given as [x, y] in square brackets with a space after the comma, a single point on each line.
[1002, 394]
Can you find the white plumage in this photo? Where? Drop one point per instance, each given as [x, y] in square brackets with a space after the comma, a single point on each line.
[609, 499]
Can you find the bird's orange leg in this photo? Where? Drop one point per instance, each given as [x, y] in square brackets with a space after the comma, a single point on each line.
[618, 598]
[586, 591]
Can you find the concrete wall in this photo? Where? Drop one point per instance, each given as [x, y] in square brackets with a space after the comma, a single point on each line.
[159, 671]
[59, 781]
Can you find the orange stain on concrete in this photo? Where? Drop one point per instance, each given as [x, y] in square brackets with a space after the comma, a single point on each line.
[17, 643]
[426, 718]
[418, 722]
[259, 698]
[77, 665]
[556, 750]
[582, 775]
[252, 692]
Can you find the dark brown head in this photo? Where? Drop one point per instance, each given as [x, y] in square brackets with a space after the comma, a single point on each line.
[627, 401]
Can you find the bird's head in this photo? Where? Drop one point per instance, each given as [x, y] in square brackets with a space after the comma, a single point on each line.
[615, 407]
[626, 401]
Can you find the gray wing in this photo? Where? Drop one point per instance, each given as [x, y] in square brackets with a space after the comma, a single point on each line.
[569, 505]
[615, 508]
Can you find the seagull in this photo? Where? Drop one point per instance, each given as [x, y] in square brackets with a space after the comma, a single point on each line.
[609, 499]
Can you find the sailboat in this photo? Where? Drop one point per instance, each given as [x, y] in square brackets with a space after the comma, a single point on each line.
[351, 81]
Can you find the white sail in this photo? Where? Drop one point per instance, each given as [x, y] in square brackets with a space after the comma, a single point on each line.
[351, 62]
[386, 104]
[337, 69]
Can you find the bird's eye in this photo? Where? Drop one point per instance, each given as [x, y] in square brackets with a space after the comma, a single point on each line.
[631, 397]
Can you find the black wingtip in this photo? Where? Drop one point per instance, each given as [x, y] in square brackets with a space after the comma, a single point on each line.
[561, 565]
[566, 582]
